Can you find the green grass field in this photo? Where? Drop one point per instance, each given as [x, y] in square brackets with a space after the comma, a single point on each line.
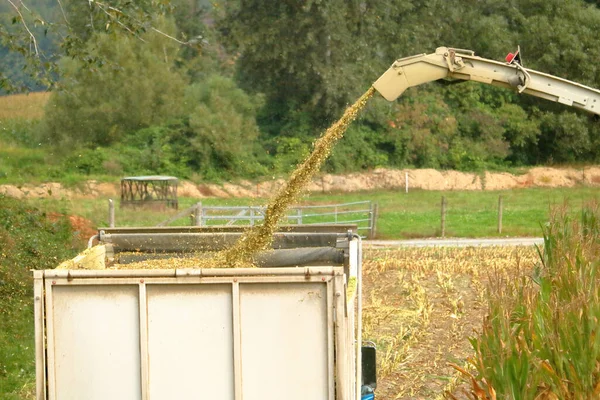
[470, 214]
[401, 216]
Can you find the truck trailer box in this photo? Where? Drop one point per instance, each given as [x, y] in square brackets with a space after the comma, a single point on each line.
[199, 333]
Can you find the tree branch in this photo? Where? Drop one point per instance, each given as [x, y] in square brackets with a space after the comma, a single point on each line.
[62, 10]
[101, 5]
[31, 35]
[169, 36]
[112, 18]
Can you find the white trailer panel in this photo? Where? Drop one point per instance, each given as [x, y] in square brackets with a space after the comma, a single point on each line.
[94, 343]
[284, 341]
[190, 341]
[229, 334]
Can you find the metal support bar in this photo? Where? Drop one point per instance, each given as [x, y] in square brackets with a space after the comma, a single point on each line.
[313, 228]
[189, 242]
[201, 272]
[464, 65]
[111, 213]
[318, 256]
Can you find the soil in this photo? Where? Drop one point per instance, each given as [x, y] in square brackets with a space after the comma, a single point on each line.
[83, 228]
[424, 179]
[421, 306]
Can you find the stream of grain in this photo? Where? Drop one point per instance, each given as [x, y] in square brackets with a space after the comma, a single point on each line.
[260, 237]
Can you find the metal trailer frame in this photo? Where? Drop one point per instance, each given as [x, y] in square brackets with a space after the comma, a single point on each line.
[343, 315]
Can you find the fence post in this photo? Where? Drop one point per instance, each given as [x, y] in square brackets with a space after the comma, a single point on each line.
[500, 214]
[374, 216]
[299, 213]
[443, 216]
[198, 214]
[406, 181]
[111, 213]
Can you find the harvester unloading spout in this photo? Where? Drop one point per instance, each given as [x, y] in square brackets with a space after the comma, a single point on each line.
[464, 65]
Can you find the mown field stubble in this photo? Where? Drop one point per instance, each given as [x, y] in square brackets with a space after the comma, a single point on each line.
[422, 305]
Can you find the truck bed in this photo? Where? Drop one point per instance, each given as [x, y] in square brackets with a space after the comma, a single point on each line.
[226, 333]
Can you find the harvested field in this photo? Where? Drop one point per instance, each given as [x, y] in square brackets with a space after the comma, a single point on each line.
[26, 106]
[420, 308]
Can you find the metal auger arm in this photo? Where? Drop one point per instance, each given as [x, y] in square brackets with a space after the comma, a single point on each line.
[464, 65]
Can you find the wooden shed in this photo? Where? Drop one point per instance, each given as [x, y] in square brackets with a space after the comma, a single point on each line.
[155, 190]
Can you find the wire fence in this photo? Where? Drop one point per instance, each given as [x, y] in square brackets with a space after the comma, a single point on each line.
[363, 214]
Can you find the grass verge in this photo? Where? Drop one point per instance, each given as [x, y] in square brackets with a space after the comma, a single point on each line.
[416, 215]
[29, 239]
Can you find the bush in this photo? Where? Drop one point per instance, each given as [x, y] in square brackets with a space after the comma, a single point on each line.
[22, 132]
[98, 104]
[85, 161]
[29, 239]
[155, 150]
[222, 135]
[356, 151]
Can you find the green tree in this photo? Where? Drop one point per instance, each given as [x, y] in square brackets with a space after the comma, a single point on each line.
[565, 137]
[559, 38]
[18, 72]
[315, 57]
[521, 131]
[99, 103]
[216, 137]
[40, 32]
[84, 19]
[222, 136]
[358, 151]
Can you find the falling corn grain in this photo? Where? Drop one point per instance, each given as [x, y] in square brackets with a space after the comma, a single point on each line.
[260, 237]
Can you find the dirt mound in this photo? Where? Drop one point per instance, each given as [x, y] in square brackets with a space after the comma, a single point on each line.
[381, 178]
[83, 228]
[188, 189]
[90, 189]
[503, 181]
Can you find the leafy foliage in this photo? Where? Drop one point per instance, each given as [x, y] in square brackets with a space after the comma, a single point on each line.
[336, 41]
[128, 65]
[99, 104]
[222, 120]
[358, 151]
[215, 138]
[29, 239]
[312, 57]
[540, 339]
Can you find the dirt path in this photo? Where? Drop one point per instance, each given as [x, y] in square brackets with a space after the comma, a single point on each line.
[425, 179]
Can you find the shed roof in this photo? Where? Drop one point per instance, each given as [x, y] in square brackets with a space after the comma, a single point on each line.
[150, 178]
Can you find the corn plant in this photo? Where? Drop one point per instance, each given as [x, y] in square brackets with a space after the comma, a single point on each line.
[540, 339]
